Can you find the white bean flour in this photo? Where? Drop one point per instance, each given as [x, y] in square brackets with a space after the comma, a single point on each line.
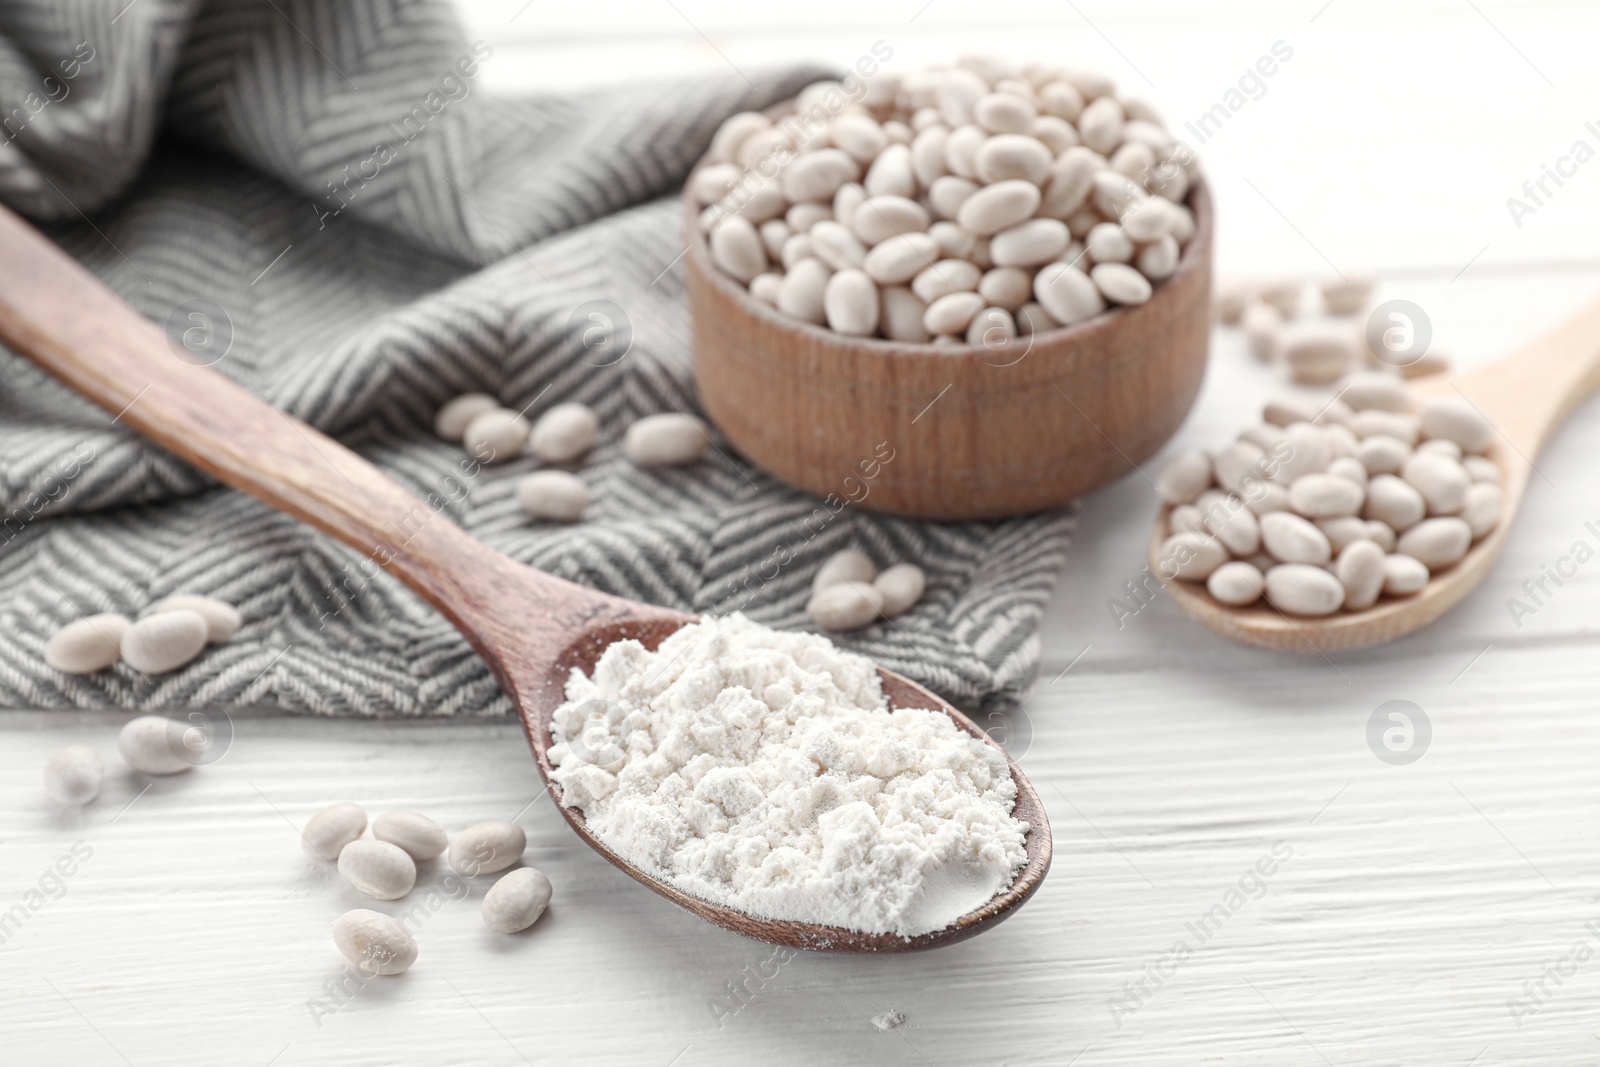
[764, 771]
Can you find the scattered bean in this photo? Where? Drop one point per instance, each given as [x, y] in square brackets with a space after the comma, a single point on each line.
[1237, 583]
[452, 420]
[497, 435]
[844, 606]
[328, 831]
[164, 641]
[487, 847]
[153, 744]
[86, 645]
[846, 565]
[378, 869]
[374, 942]
[1302, 589]
[516, 901]
[418, 835]
[666, 440]
[552, 496]
[565, 433]
[73, 775]
[901, 586]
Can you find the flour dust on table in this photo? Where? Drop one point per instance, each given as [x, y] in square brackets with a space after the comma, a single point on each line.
[766, 772]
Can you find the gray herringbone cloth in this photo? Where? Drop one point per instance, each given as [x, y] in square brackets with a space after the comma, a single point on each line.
[380, 236]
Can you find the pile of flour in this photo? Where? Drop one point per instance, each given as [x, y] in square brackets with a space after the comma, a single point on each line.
[764, 771]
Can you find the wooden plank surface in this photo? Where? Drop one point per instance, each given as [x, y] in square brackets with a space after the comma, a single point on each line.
[1433, 912]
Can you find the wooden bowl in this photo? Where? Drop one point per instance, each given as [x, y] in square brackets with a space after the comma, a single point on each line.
[951, 433]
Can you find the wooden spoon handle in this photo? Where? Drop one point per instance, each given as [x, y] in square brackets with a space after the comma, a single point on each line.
[64, 319]
[1529, 395]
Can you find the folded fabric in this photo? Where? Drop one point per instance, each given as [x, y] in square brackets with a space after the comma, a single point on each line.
[320, 200]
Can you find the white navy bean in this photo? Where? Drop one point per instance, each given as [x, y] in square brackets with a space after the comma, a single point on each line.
[1186, 518]
[1304, 590]
[1031, 244]
[737, 250]
[1283, 294]
[1381, 533]
[1266, 497]
[1485, 501]
[998, 207]
[1382, 454]
[375, 943]
[1006, 287]
[882, 217]
[1239, 463]
[1349, 468]
[164, 641]
[1436, 542]
[902, 315]
[850, 196]
[1070, 181]
[1004, 113]
[1402, 427]
[1121, 284]
[1286, 411]
[1009, 156]
[850, 301]
[1346, 296]
[927, 154]
[837, 245]
[795, 249]
[73, 775]
[378, 869]
[328, 831]
[496, 436]
[1190, 556]
[952, 313]
[947, 194]
[1318, 353]
[1235, 525]
[86, 645]
[516, 901]
[732, 133]
[891, 174]
[845, 606]
[818, 175]
[1061, 99]
[953, 240]
[708, 184]
[1325, 496]
[1237, 584]
[222, 619]
[1032, 318]
[1310, 450]
[451, 421]
[766, 286]
[1288, 538]
[1376, 390]
[845, 565]
[945, 277]
[991, 328]
[1109, 243]
[1393, 502]
[1455, 419]
[487, 847]
[418, 835]
[666, 440]
[806, 214]
[1100, 124]
[565, 433]
[1054, 133]
[1360, 571]
[1067, 293]
[1403, 575]
[801, 293]
[1343, 532]
[552, 496]
[1439, 444]
[1263, 329]
[1185, 476]
[858, 136]
[898, 259]
[1159, 260]
[1441, 480]
[154, 744]
[774, 233]
[901, 587]
[961, 150]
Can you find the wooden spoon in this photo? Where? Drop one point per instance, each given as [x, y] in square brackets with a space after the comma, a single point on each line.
[531, 628]
[1527, 396]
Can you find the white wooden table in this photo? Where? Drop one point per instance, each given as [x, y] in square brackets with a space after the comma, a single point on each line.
[1445, 911]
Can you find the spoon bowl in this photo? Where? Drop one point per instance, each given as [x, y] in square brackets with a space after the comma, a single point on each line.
[1526, 397]
[531, 628]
